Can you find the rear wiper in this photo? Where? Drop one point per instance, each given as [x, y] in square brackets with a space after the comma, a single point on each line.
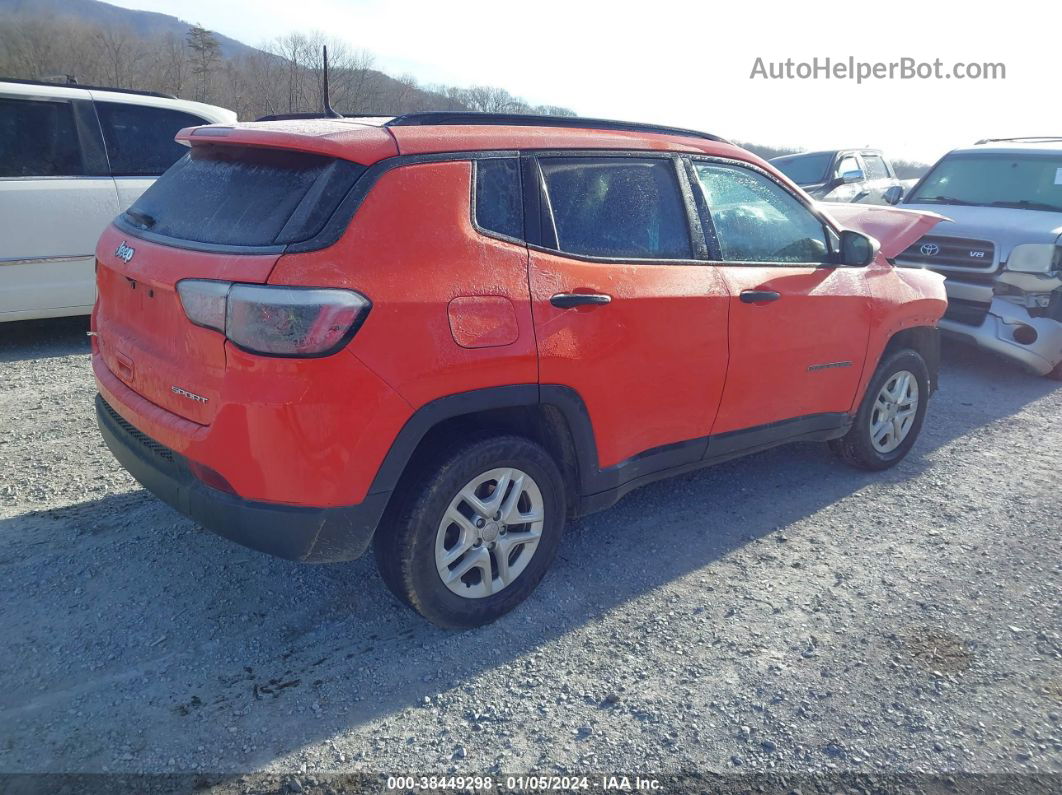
[141, 219]
[1027, 205]
[944, 200]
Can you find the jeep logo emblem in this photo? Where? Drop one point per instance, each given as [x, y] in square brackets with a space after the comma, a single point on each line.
[930, 249]
[124, 252]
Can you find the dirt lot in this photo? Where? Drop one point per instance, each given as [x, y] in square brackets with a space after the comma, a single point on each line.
[779, 612]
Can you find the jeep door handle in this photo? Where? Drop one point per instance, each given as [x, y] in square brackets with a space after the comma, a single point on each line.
[572, 300]
[759, 296]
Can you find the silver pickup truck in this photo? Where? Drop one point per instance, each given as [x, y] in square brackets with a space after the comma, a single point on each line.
[1002, 252]
[855, 176]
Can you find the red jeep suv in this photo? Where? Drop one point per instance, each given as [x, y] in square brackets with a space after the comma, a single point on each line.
[445, 334]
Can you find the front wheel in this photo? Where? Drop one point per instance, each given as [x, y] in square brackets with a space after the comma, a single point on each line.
[473, 535]
[1056, 374]
[890, 416]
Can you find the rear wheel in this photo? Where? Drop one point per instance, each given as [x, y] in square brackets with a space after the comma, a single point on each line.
[471, 537]
[890, 416]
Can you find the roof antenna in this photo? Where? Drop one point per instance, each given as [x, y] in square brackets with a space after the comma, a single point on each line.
[328, 111]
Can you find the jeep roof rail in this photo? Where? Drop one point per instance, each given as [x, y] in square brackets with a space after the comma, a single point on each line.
[71, 82]
[430, 118]
[1028, 139]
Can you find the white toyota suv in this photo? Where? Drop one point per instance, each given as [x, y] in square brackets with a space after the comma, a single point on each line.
[71, 159]
[1001, 253]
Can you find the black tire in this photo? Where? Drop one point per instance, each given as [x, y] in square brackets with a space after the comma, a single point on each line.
[856, 448]
[405, 546]
[1056, 374]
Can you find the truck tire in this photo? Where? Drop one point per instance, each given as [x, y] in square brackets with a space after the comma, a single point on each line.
[473, 531]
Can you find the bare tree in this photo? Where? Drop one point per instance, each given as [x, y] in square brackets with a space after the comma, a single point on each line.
[283, 76]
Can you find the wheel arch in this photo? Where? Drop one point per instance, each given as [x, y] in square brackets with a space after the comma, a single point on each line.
[924, 340]
[554, 417]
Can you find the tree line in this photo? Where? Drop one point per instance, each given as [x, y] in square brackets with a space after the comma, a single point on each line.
[281, 76]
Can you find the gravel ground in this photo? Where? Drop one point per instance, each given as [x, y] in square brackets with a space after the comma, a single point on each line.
[781, 612]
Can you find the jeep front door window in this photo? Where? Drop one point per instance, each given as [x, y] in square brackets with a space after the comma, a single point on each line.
[756, 220]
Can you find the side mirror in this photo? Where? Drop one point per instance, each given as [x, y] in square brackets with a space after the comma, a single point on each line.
[849, 177]
[893, 194]
[858, 249]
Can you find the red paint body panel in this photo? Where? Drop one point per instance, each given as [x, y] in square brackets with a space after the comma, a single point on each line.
[822, 317]
[412, 249]
[361, 143]
[649, 365]
[144, 335]
[675, 355]
[483, 321]
[901, 298]
[894, 228]
[309, 432]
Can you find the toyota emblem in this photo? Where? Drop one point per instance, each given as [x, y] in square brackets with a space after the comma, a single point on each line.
[930, 249]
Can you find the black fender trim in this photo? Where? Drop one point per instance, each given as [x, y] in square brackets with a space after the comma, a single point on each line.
[682, 457]
[431, 414]
[598, 488]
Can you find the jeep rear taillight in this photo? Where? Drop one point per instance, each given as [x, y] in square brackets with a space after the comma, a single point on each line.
[275, 320]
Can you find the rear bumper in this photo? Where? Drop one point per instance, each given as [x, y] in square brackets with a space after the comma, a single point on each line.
[317, 535]
[996, 334]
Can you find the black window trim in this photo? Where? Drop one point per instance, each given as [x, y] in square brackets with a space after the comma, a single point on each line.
[336, 226]
[833, 233]
[536, 206]
[340, 220]
[498, 155]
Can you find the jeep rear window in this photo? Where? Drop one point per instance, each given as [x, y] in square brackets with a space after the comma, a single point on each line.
[244, 196]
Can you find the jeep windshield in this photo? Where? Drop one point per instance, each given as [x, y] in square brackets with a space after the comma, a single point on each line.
[1026, 182]
[805, 169]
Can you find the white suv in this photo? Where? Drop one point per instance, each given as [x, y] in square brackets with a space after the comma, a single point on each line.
[71, 159]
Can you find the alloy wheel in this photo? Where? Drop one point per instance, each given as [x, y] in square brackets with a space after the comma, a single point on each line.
[894, 411]
[489, 532]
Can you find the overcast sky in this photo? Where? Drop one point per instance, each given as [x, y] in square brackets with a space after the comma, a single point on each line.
[689, 63]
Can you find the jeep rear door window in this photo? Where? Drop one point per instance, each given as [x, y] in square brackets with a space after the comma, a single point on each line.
[757, 220]
[244, 196]
[1025, 182]
[499, 204]
[140, 139]
[617, 207]
[38, 138]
